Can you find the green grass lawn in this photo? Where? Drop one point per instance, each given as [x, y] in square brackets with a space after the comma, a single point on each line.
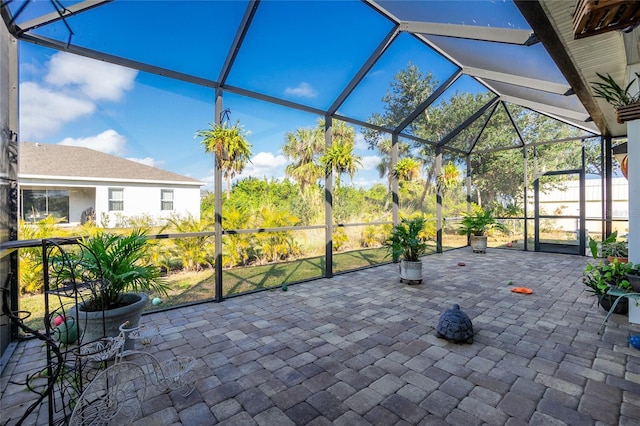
[188, 287]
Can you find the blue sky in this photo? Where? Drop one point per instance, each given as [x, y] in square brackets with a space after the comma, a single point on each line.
[73, 100]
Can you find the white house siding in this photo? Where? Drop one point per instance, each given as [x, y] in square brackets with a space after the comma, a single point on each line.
[567, 202]
[140, 199]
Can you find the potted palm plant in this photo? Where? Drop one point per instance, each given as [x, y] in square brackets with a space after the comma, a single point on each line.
[626, 103]
[408, 243]
[120, 294]
[476, 225]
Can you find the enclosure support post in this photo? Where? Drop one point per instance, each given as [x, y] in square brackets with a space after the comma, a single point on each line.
[328, 203]
[607, 185]
[468, 184]
[582, 237]
[633, 173]
[633, 151]
[217, 194]
[395, 199]
[525, 202]
[438, 173]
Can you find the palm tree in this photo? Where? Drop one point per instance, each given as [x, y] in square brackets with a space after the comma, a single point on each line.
[341, 132]
[339, 158]
[407, 169]
[303, 147]
[230, 147]
[449, 178]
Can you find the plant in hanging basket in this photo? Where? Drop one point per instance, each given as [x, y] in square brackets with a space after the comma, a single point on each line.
[626, 103]
[593, 17]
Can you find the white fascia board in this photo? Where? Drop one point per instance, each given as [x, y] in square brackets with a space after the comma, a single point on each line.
[472, 32]
[545, 108]
[86, 180]
[517, 80]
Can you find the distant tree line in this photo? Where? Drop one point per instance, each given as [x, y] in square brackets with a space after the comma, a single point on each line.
[497, 179]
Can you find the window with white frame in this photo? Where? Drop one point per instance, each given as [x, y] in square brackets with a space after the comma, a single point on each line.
[116, 199]
[166, 199]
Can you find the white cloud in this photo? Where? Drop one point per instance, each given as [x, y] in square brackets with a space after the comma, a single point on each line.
[148, 161]
[96, 79]
[359, 142]
[208, 182]
[368, 183]
[304, 90]
[43, 111]
[70, 90]
[370, 162]
[265, 164]
[109, 141]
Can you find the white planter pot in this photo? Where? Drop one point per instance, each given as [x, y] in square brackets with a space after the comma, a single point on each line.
[411, 271]
[634, 309]
[479, 243]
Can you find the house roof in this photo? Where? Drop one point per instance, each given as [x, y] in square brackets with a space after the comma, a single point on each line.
[73, 162]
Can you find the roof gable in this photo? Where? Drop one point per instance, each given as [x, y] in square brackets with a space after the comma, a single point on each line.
[37, 159]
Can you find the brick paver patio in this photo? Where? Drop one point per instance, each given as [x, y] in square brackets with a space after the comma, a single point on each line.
[361, 349]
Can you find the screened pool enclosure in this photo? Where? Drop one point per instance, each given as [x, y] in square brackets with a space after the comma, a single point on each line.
[357, 113]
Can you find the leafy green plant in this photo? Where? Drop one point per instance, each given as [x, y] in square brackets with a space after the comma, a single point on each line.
[408, 241]
[277, 245]
[194, 252]
[600, 276]
[609, 247]
[30, 275]
[616, 95]
[372, 236]
[340, 239]
[120, 260]
[479, 222]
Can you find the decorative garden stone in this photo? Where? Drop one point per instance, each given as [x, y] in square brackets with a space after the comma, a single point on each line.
[455, 325]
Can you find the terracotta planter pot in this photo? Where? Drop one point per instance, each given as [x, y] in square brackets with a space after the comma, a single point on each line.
[620, 259]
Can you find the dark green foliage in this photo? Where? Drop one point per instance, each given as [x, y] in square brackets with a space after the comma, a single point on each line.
[407, 240]
[194, 252]
[479, 222]
[349, 204]
[599, 277]
[121, 260]
[207, 204]
[252, 193]
[616, 95]
[610, 246]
